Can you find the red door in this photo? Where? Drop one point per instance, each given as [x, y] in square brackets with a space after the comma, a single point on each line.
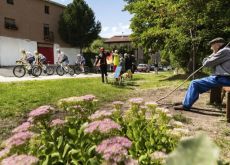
[48, 53]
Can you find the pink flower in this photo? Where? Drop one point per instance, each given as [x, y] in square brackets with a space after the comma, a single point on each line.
[22, 128]
[118, 103]
[19, 160]
[131, 161]
[88, 97]
[18, 139]
[40, 111]
[4, 152]
[114, 149]
[135, 101]
[57, 122]
[100, 114]
[103, 126]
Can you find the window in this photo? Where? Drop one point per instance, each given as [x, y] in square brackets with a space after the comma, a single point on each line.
[46, 31]
[10, 24]
[10, 2]
[47, 9]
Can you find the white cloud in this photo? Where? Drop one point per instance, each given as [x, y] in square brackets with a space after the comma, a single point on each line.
[119, 29]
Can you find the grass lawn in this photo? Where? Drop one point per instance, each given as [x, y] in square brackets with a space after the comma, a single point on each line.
[18, 98]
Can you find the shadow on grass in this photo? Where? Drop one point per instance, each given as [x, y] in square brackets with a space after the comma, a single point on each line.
[124, 85]
[183, 77]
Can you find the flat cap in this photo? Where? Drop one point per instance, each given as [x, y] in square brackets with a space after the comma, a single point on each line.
[217, 40]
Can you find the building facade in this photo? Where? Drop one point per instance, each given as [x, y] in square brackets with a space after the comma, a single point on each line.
[123, 41]
[31, 25]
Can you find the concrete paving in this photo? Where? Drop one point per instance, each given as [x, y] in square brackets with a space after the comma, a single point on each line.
[6, 75]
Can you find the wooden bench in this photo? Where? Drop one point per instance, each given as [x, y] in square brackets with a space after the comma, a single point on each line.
[217, 98]
[227, 90]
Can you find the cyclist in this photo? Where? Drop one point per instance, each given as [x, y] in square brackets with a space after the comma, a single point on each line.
[40, 58]
[80, 61]
[62, 57]
[27, 58]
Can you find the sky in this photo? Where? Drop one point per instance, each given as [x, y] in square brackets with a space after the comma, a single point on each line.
[114, 21]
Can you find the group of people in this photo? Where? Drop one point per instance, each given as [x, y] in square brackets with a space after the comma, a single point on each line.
[29, 59]
[126, 62]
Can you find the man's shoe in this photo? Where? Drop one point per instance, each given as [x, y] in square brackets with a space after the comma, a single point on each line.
[181, 107]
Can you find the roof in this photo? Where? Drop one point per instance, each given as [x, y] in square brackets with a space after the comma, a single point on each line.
[117, 39]
[55, 3]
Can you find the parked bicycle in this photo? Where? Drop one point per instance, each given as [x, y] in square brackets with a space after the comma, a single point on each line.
[46, 68]
[64, 69]
[22, 68]
[77, 69]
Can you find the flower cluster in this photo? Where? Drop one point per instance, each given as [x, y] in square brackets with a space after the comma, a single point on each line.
[57, 122]
[100, 114]
[176, 124]
[151, 105]
[158, 155]
[40, 112]
[88, 97]
[103, 126]
[22, 128]
[114, 149]
[118, 104]
[19, 160]
[136, 101]
[18, 139]
[4, 152]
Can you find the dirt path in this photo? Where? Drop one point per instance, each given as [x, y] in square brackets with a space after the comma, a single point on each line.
[206, 118]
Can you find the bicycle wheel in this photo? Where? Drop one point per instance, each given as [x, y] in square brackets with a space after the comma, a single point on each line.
[36, 71]
[60, 71]
[71, 71]
[77, 70]
[86, 69]
[50, 70]
[19, 71]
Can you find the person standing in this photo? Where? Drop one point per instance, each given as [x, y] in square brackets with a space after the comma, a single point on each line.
[156, 58]
[80, 62]
[219, 60]
[116, 60]
[103, 64]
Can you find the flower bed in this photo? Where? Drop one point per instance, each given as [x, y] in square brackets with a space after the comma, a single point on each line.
[139, 135]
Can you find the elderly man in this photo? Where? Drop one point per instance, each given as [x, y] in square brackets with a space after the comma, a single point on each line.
[219, 60]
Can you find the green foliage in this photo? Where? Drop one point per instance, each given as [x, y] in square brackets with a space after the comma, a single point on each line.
[77, 24]
[200, 151]
[179, 28]
[96, 45]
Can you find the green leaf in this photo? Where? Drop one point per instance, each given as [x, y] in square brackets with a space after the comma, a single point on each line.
[143, 157]
[198, 150]
[47, 160]
[60, 141]
[91, 149]
[73, 132]
[66, 149]
[55, 154]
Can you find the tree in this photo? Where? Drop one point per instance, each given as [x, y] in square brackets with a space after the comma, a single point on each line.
[77, 25]
[181, 28]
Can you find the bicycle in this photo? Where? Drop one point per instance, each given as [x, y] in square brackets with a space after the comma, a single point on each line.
[22, 68]
[46, 68]
[77, 69]
[61, 70]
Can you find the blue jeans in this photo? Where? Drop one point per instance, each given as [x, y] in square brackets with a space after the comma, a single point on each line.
[202, 85]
